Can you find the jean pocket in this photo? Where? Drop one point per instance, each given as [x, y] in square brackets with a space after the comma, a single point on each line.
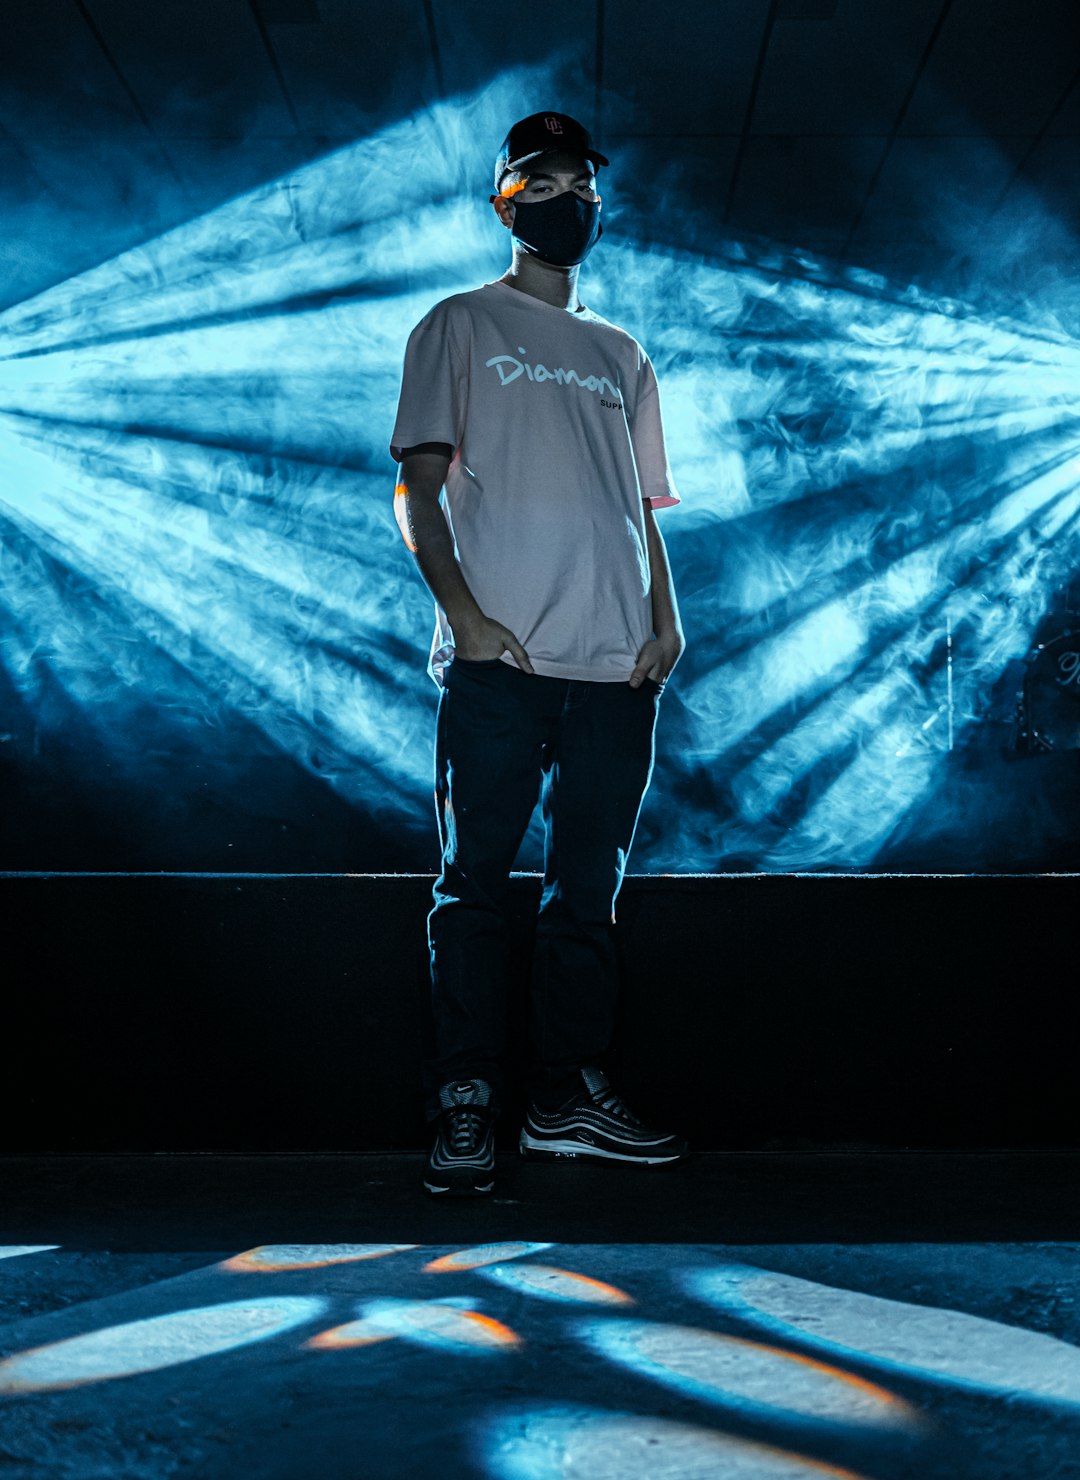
[476, 662]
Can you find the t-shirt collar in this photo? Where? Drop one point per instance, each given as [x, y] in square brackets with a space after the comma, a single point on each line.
[581, 309]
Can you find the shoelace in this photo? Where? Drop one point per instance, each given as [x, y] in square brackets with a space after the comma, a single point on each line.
[464, 1131]
[611, 1102]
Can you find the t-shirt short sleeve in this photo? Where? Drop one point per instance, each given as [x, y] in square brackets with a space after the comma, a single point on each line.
[434, 386]
[650, 451]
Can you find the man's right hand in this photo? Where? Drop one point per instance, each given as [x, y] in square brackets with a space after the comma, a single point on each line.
[490, 639]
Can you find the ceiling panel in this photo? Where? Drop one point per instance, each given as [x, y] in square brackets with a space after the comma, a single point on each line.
[846, 75]
[54, 77]
[812, 183]
[680, 68]
[356, 67]
[997, 68]
[1054, 170]
[477, 42]
[198, 70]
[1066, 122]
[216, 170]
[666, 96]
[937, 189]
[662, 177]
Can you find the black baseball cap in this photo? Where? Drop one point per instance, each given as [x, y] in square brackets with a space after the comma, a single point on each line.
[538, 133]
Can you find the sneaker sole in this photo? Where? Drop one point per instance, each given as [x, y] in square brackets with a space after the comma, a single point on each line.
[574, 1151]
[465, 1190]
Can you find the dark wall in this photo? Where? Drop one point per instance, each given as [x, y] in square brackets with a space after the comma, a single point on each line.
[268, 1014]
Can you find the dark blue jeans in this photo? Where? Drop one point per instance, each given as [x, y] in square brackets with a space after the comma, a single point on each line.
[502, 735]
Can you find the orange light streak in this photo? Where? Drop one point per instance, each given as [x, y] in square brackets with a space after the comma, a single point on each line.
[495, 1329]
[508, 190]
[871, 1389]
[339, 1337]
[401, 493]
[603, 1290]
[261, 1260]
[562, 1284]
[476, 1258]
[367, 1332]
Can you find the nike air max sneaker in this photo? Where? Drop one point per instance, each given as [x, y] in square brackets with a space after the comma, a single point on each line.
[462, 1160]
[596, 1126]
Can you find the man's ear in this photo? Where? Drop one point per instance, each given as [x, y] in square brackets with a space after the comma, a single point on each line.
[504, 209]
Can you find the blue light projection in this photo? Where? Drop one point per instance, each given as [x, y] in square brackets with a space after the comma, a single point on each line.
[154, 1343]
[572, 1440]
[750, 1377]
[872, 1360]
[881, 492]
[894, 1337]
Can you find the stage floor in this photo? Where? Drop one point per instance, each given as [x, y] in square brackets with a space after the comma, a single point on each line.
[758, 1317]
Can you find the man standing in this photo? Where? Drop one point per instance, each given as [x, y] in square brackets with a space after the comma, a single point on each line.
[556, 629]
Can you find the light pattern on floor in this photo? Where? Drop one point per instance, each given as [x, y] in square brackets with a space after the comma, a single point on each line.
[485, 1254]
[583, 1444]
[946, 1343]
[618, 1362]
[744, 1374]
[268, 1258]
[160, 1341]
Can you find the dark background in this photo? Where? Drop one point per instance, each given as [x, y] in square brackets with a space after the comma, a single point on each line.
[758, 1013]
[932, 142]
[910, 136]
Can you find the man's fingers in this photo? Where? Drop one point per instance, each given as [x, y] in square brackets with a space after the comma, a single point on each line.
[521, 656]
[644, 663]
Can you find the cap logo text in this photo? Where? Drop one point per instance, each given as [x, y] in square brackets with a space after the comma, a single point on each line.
[553, 125]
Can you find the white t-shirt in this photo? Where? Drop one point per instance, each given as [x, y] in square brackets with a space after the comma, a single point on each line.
[555, 422]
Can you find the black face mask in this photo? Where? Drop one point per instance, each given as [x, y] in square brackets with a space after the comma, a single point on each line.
[562, 230]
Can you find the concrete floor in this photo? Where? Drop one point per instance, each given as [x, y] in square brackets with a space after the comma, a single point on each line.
[753, 1317]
